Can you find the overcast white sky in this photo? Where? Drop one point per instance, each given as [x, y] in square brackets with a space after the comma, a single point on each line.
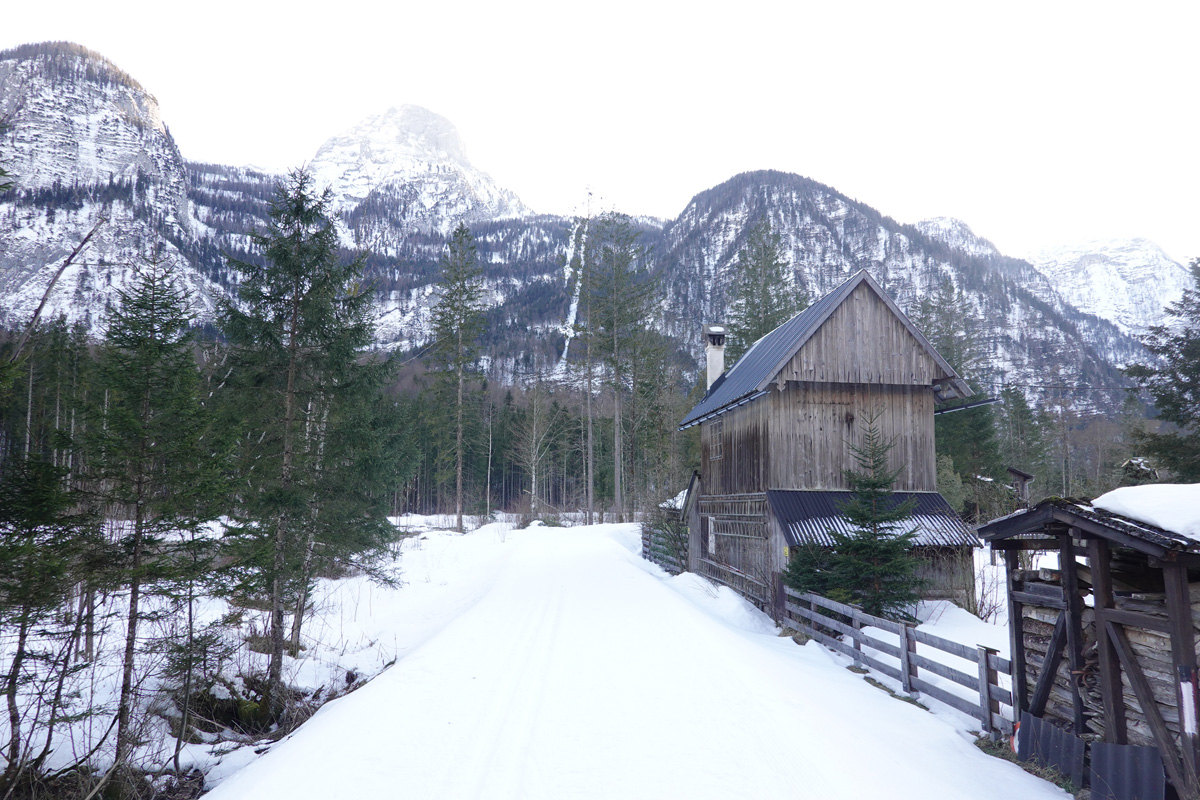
[1038, 124]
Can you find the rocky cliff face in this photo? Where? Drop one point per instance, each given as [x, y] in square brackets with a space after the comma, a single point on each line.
[86, 144]
[1128, 282]
[406, 171]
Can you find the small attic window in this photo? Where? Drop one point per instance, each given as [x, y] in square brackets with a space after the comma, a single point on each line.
[716, 437]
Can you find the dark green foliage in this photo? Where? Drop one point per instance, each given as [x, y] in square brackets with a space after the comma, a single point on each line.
[1019, 433]
[156, 477]
[621, 293]
[146, 437]
[310, 473]
[44, 546]
[1174, 384]
[968, 438]
[763, 297]
[457, 324]
[873, 566]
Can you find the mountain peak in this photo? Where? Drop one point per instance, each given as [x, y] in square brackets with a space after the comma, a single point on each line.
[399, 133]
[956, 234]
[413, 164]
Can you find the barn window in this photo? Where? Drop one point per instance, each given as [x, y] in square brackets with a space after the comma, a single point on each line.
[715, 447]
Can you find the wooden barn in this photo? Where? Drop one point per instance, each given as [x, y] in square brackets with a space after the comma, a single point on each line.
[1104, 648]
[776, 434]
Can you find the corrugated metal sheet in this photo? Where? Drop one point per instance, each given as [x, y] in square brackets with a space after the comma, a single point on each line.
[1043, 743]
[807, 516]
[1126, 772]
[768, 355]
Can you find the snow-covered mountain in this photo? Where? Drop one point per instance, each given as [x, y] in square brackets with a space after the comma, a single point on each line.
[956, 234]
[404, 171]
[1125, 281]
[1031, 334]
[401, 181]
[87, 143]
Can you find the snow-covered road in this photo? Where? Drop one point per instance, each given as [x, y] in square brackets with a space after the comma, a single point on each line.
[577, 670]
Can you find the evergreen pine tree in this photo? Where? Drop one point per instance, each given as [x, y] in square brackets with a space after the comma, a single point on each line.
[763, 293]
[621, 298]
[1174, 384]
[872, 566]
[295, 335]
[457, 324]
[147, 444]
[43, 543]
[954, 327]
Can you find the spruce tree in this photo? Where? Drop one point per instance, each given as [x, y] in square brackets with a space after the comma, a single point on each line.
[295, 333]
[457, 325]
[1174, 384]
[954, 327]
[44, 546]
[621, 300]
[147, 444]
[763, 294]
[872, 566]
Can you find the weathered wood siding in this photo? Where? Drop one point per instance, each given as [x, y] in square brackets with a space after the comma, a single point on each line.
[813, 427]
[863, 342]
[745, 456]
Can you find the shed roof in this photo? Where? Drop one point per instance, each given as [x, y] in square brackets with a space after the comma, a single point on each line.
[749, 378]
[807, 515]
[1081, 514]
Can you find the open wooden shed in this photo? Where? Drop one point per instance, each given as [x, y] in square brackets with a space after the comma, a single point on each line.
[1105, 647]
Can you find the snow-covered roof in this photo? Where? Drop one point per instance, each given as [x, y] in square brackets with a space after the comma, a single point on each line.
[1140, 528]
[1174, 507]
[675, 502]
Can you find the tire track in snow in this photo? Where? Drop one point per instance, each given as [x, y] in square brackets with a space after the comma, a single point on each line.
[509, 723]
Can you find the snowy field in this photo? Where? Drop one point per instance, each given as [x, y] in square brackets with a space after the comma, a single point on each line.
[556, 663]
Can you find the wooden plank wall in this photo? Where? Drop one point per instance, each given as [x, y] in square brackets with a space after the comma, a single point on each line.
[863, 342]
[744, 459]
[813, 427]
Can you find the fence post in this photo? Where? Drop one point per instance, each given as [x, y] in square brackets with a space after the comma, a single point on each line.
[987, 679]
[908, 670]
[854, 623]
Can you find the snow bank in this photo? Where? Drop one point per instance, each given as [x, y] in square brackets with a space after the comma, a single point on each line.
[1170, 506]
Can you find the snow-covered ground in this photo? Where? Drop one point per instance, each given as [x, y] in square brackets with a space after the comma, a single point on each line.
[555, 662]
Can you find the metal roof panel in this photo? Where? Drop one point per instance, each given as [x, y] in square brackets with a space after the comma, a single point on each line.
[808, 515]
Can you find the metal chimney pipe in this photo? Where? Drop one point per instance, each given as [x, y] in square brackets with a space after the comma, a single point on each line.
[714, 337]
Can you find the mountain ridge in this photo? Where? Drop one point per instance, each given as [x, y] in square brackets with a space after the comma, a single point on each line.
[401, 180]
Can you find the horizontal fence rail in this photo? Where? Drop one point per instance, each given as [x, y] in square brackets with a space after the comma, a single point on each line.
[840, 627]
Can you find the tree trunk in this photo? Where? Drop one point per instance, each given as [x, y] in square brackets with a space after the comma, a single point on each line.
[310, 540]
[458, 446]
[187, 675]
[274, 686]
[14, 711]
[488, 492]
[124, 707]
[590, 467]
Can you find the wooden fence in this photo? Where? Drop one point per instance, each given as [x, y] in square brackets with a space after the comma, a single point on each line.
[665, 545]
[839, 627]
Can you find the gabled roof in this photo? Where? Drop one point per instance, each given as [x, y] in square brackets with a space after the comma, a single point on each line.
[806, 517]
[749, 378]
[1058, 512]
